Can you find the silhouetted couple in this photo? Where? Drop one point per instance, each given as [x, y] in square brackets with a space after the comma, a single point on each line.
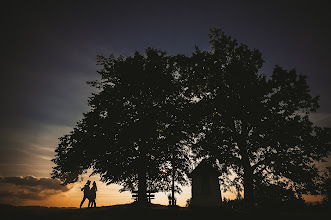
[89, 194]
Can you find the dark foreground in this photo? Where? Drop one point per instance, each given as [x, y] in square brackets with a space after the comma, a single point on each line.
[156, 212]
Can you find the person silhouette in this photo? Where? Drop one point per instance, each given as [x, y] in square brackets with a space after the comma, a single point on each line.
[86, 190]
[93, 195]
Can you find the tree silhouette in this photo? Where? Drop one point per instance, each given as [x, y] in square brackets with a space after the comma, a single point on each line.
[152, 108]
[257, 126]
[326, 186]
[133, 130]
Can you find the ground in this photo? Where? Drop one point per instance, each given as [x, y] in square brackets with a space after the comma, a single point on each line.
[156, 212]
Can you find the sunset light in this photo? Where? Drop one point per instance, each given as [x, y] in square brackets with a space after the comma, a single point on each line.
[165, 109]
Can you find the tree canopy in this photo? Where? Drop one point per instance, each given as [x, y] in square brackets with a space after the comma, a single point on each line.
[154, 112]
[257, 126]
[129, 136]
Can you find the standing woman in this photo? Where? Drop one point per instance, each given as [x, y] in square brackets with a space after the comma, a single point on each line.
[93, 195]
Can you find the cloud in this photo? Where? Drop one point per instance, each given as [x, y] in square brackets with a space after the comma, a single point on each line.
[322, 119]
[29, 188]
[30, 181]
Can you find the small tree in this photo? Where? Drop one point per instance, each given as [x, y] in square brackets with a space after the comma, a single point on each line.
[127, 136]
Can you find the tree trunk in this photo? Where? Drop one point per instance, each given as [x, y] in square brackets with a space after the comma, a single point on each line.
[142, 187]
[142, 180]
[173, 187]
[248, 185]
[248, 174]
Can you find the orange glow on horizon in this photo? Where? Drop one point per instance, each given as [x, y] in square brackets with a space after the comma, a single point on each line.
[108, 195]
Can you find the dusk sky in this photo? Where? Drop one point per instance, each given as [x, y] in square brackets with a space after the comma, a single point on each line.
[48, 52]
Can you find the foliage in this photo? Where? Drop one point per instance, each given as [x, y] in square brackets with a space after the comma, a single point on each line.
[258, 127]
[154, 111]
[276, 196]
[133, 130]
[326, 186]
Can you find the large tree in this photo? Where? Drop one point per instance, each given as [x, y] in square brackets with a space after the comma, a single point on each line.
[257, 126]
[134, 128]
[151, 107]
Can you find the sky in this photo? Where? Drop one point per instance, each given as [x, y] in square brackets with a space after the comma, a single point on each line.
[48, 52]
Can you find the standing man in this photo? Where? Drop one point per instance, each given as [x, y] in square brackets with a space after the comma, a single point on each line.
[86, 190]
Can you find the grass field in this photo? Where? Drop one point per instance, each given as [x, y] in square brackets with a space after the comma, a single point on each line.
[156, 212]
